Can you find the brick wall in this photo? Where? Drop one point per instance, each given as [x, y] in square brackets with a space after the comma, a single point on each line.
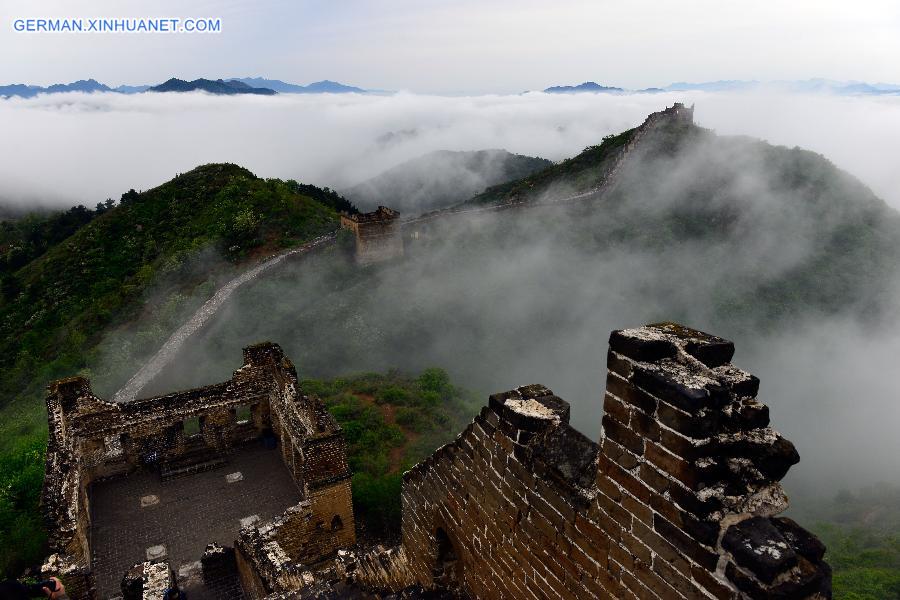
[316, 530]
[678, 500]
[277, 556]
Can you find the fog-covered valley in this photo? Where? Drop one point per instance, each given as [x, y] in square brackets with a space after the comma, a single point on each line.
[789, 252]
[771, 247]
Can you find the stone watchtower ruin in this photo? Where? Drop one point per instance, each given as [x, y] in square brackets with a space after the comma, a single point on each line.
[378, 234]
[136, 486]
[681, 113]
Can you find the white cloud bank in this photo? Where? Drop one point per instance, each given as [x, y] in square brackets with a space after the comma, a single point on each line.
[79, 148]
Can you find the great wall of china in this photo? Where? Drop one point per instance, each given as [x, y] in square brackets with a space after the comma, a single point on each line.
[678, 499]
[170, 348]
[365, 253]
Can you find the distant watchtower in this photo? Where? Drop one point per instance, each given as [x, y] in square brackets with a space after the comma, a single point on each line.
[378, 235]
[681, 112]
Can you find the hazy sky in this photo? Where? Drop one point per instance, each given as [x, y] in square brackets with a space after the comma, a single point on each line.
[466, 46]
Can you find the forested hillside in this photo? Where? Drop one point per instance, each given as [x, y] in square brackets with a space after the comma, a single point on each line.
[70, 279]
[391, 421]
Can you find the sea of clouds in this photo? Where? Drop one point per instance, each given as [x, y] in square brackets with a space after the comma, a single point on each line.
[830, 384]
[73, 148]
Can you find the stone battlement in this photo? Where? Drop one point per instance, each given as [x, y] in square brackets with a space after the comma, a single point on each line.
[677, 500]
[382, 214]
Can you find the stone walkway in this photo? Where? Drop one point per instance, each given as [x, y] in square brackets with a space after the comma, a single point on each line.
[137, 513]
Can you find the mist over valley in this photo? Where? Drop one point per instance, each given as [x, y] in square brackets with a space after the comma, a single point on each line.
[792, 253]
[771, 247]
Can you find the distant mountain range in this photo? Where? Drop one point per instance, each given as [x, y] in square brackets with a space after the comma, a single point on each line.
[27, 91]
[828, 86]
[219, 86]
[282, 87]
[587, 86]
[261, 85]
[229, 86]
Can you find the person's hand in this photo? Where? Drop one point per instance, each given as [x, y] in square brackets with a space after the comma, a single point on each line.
[59, 592]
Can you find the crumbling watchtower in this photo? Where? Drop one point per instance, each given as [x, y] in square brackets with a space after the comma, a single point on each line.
[378, 235]
[681, 113]
[134, 488]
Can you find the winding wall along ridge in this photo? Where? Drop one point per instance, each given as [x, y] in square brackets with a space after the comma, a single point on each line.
[170, 348]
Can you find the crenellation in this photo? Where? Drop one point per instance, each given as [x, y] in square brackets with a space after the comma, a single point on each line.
[676, 499]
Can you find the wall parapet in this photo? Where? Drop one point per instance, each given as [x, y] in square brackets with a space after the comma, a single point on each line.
[679, 499]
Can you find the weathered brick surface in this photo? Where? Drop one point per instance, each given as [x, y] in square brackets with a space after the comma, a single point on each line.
[93, 439]
[676, 501]
[147, 581]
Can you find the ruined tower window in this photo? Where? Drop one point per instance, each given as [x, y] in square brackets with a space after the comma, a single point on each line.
[242, 414]
[191, 426]
[336, 523]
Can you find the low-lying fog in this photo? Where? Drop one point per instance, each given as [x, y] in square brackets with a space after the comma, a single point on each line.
[77, 148]
[830, 382]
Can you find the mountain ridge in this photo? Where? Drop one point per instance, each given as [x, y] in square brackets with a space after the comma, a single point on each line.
[219, 86]
[813, 85]
[587, 86]
[440, 179]
[317, 87]
[98, 264]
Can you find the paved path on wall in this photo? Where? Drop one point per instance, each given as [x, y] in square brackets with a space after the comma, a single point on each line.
[167, 352]
[191, 512]
[498, 207]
